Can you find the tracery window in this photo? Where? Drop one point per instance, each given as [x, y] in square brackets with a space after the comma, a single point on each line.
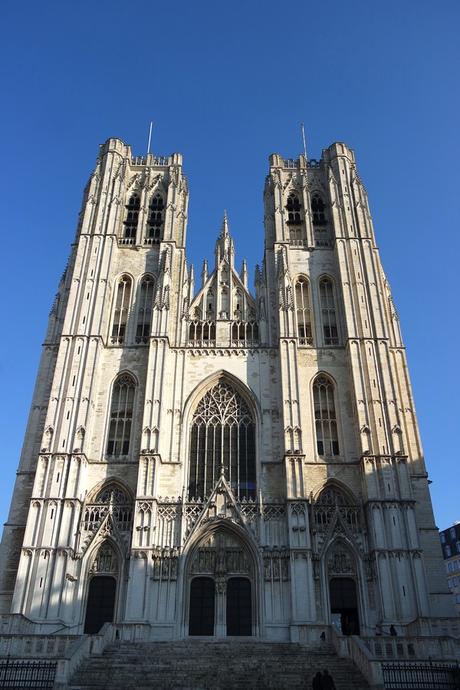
[318, 210]
[144, 313]
[132, 217]
[111, 498]
[328, 314]
[303, 312]
[155, 220]
[121, 416]
[222, 441]
[293, 208]
[332, 500]
[120, 316]
[327, 442]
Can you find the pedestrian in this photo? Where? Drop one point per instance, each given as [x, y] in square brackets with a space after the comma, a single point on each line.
[393, 632]
[317, 683]
[328, 681]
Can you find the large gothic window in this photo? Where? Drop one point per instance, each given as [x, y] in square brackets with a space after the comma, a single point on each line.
[144, 313]
[132, 218]
[121, 416]
[155, 220]
[328, 315]
[222, 441]
[120, 316]
[327, 442]
[303, 312]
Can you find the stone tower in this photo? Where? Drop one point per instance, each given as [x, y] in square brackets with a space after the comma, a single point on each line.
[214, 461]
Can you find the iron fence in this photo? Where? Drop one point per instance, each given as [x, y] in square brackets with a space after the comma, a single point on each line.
[27, 675]
[419, 676]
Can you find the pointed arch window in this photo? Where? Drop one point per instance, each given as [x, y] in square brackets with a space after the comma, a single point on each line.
[318, 210]
[327, 442]
[293, 208]
[222, 442]
[294, 220]
[112, 498]
[132, 218]
[328, 312]
[121, 416]
[155, 221]
[144, 313]
[121, 311]
[303, 312]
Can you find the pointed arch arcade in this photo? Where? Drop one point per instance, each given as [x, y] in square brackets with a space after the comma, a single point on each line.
[222, 441]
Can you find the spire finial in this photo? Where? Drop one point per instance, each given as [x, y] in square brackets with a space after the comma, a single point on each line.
[225, 231]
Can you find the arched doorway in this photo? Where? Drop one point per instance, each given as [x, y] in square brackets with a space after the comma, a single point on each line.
[102, 589]
[100, 608]
[344, 604]
[239, 606]
[202, 606]
[221, 586]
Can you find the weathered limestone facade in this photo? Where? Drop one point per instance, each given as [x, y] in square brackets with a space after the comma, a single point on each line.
[216, 461]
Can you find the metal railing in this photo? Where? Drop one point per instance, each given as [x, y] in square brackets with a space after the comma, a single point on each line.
[421, 676]
[34, 675]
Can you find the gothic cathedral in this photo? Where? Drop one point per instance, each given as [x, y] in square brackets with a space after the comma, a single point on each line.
[211, 460]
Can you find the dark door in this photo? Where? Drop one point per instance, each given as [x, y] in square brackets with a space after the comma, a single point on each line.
[239, 610]
[344, 602]
[101, 603]
[201, 620]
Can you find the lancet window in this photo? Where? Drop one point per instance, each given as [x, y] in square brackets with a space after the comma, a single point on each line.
[132, 218]
[155, 220]
[328, 313]
[318, 210]
[222, 442]
[294, 220]
[202, 333]
[120, 316]
[144, 313]
[303, 312]
[121, 416]
[244, 333]
[327, 442]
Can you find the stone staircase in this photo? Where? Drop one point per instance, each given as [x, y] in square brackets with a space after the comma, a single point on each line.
[220, 665]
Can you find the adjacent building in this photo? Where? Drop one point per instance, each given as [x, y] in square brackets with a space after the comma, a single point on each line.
[450, 541]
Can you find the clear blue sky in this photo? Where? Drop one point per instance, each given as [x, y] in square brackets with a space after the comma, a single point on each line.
[227, 84]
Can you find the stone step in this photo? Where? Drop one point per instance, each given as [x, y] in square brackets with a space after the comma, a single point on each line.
[220, 665]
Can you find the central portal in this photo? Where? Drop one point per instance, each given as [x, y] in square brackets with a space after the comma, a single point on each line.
[221, 577]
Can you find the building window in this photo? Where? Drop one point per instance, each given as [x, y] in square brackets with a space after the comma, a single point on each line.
[443, 538]
[448, 551]
[327, 442]
[328, 314]
[144, 313]
[222, 442]
[202, 333]
[155, 220]
[452, 533]
[458, 547]
[318, 210]
[120, 316]
[121, 416]
[293, 208]
[132, 218]
[303, 312]
[457, 598]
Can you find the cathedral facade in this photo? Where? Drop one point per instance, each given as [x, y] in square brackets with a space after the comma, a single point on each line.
[204, 459]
